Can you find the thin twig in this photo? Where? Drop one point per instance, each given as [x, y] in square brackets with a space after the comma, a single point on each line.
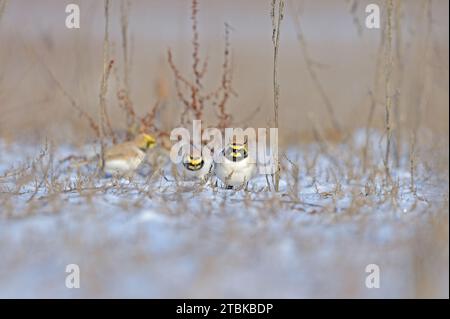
[103, 115]
[368, 126]
[387, 82]
[312, 72]
[399, 62]
[124, 95]
[276, 26]
[190, 92]
[73, 103]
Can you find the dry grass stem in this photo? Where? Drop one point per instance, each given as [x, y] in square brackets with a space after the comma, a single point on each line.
[191, 92]
[310, 66]
[107, 65]
[277, 17]
[388, 94]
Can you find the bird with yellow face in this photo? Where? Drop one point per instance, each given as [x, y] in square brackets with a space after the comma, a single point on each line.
[125, 158]
[235, 167]
[195, 166]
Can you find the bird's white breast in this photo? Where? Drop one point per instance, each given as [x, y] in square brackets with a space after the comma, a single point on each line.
[235, 173]
[192, 175]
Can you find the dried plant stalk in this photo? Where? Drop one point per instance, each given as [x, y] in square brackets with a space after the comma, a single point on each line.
[107, 65]
[387, 82]
[124, 10]
[124, 95]
[400, 69]
[191, 92]
[226, 88]
[368, 126]
[73, 103]
[147, 122]
[424, 93]
[277, 17]
[379, 63]
[412, 161]
[353, 8]
[198, 74]
[310, 66]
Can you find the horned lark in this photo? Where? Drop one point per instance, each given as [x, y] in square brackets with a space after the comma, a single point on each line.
[236, 167]
[195, 166]
[125, 158]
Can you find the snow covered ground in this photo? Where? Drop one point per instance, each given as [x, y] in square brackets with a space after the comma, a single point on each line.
[154, 237]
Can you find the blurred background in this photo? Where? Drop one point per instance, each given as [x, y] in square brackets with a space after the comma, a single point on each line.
[342, 51]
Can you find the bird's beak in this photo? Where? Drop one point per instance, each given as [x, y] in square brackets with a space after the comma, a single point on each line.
[151, 143]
